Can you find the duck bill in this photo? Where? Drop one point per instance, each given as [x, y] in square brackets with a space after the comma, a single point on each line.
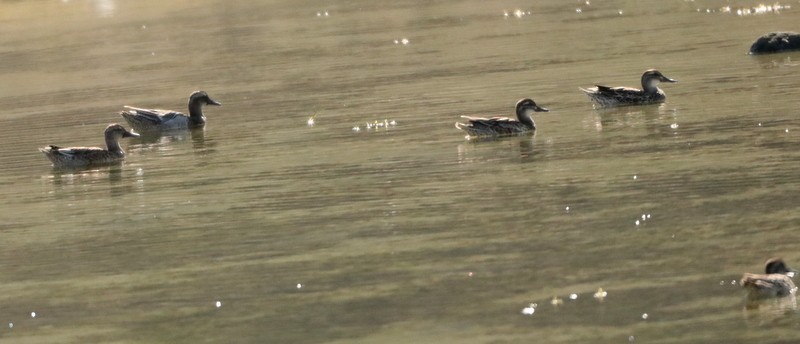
[130, 134]
[791, 273]
[214, 102]
[541, 109]
[666, 79]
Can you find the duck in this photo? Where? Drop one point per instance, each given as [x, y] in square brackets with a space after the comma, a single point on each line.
[496, 126]
[605, 96]
[149, 120]
[775, 42]
[85, 156]
[777, 282]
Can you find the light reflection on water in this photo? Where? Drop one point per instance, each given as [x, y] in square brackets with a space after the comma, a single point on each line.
[264, 227]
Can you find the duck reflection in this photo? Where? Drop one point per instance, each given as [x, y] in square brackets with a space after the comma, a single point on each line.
[164, 141]
[162, 138]
[481, 149]
[118, 180]
[654, 119]
[770, 311]
[73, 176]
[74, 182]
[199, 141]
[198, 137]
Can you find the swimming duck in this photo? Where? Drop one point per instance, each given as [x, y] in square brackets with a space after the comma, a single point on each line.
[605, 96]
[777, 281]
[144, 120]
[495, 126]
[84, 156]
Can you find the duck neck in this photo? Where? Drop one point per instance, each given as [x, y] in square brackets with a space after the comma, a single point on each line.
[649, 85]
[196, 113]
[526, 117]
[112, 142]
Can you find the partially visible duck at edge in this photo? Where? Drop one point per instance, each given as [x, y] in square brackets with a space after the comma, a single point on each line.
[777, 282]
[776, 42]
[496, 126]
[149, 120]
[605, 96]
[85, 156]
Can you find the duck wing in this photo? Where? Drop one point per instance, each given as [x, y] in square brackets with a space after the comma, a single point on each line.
[772, 285]
[79, 152]
[154, 116]
[496, 125]
[77, 156]
[616, 92]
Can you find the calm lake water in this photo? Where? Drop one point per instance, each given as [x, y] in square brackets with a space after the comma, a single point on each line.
[262, 228]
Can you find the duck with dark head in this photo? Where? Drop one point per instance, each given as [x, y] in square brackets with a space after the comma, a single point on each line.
[775, 282]
[496, 126]
[150, 120]
[605, 96]
[73, 157]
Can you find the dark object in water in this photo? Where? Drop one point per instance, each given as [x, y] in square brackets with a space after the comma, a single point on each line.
[776, 42]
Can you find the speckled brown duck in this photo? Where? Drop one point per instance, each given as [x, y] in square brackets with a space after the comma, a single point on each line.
[72, 157]
[605, 96]
[776, 282]
[496, 126]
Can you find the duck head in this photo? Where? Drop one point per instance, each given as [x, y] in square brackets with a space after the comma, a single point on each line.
[527, 105]
[113, 133]
[525, 109]
[118, 131]
[778, 266]
[652, 76]
[202, 98]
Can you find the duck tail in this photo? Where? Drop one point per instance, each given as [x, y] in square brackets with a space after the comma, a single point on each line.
[49, 149]
[126, 114]
[747, 280]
